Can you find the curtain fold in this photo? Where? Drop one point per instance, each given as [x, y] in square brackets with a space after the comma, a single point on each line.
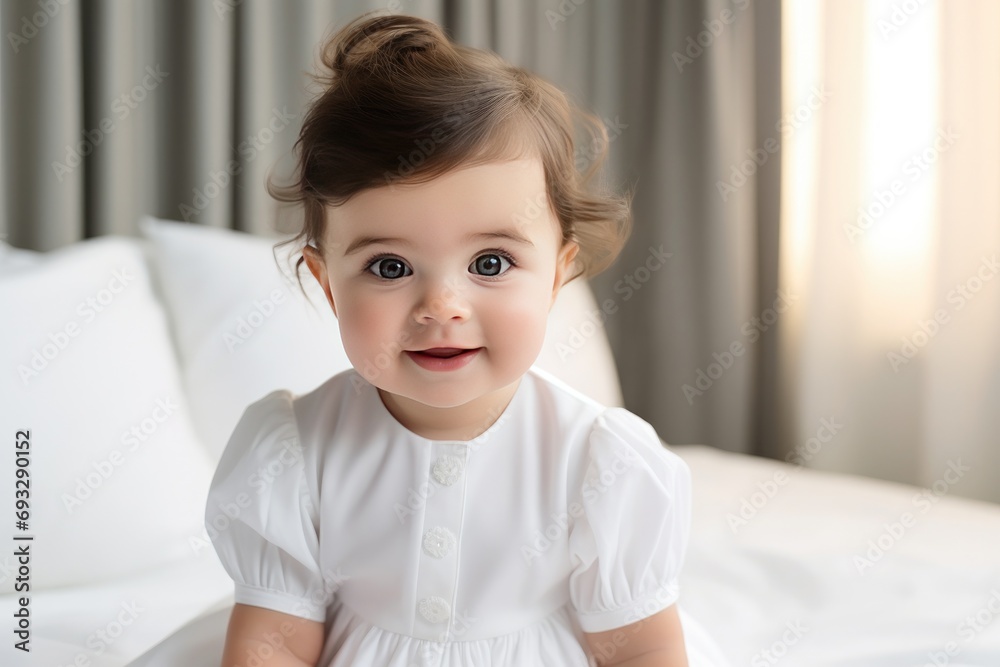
[962, 385]
[700, 197]
[42, 91]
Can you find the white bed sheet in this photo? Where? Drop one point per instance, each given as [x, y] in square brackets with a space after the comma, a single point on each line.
[796, 562]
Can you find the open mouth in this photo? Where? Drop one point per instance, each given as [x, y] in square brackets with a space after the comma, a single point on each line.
[443, 352]
[443, 358]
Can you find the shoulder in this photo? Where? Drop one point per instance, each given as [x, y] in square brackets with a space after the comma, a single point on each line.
[623, 447]
[603, 438]
[268, 419]
[337, 396]
[283, 423]
[559, 402]
[622, 441]
[620, 426]
[598, 423]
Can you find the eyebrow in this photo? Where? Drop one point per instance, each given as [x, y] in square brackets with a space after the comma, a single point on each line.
[365, 241]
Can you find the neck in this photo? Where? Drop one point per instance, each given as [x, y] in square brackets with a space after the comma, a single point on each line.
[463, 422]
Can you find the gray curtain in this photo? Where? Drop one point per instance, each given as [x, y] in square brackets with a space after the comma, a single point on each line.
[117, 108]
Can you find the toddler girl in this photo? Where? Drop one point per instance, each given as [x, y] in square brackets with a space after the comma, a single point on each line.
[445, 502]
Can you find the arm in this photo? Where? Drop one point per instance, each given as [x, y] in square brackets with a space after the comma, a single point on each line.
[656, 641]
[258, 636]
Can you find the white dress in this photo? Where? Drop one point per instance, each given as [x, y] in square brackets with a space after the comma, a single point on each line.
[565, 516]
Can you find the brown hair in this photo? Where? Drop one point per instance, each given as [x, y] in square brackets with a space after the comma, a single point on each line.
[401, 102]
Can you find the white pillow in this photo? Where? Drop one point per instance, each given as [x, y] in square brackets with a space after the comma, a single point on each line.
[241, 325]
[89, 359]
[576, 348]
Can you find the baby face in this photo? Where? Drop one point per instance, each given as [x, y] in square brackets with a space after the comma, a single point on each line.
[471, 260]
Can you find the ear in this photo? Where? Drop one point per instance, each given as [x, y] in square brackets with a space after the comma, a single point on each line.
[317, 266]
[564, 265]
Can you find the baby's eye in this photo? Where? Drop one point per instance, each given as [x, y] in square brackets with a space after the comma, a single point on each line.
[490, 264]
[389, 268]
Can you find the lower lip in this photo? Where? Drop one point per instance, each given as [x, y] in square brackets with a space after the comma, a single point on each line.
[432, 363]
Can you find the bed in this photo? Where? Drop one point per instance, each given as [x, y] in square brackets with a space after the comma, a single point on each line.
[133, 358]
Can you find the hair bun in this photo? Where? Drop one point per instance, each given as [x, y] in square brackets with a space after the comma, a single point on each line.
[371, 42]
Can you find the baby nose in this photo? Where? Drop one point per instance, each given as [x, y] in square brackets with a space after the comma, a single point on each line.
[442, 301]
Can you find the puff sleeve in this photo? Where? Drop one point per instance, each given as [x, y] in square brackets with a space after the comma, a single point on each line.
[627, 545]
[260, 514]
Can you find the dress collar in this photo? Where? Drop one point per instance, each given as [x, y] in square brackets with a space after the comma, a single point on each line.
[510, 411]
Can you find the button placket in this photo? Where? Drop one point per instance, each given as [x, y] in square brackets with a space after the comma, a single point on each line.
[437, 570]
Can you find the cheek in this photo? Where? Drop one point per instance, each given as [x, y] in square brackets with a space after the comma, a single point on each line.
[518, 324]
[364, 322]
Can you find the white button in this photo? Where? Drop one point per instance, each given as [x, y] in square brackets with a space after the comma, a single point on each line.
[439, 542]
[435, 609]
[447, 469]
